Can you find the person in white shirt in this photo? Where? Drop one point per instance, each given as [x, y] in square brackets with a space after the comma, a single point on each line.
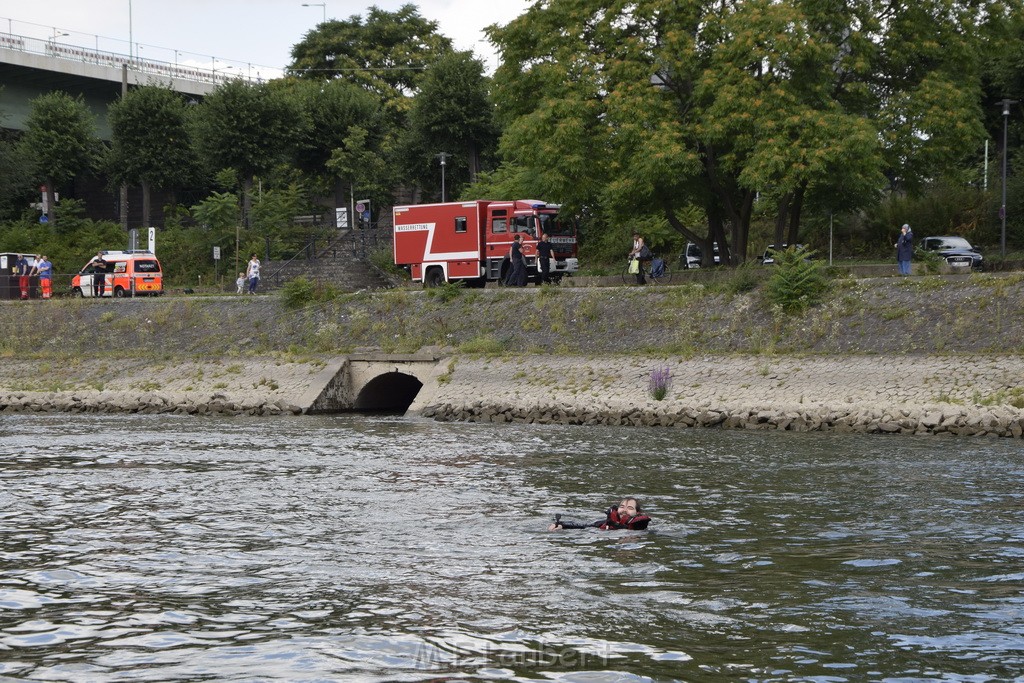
[252, 274]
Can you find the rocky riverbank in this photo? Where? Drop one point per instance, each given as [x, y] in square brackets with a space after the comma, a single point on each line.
[918, 395]
[935, 354]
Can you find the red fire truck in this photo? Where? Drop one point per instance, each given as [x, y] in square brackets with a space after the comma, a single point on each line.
[470, 241]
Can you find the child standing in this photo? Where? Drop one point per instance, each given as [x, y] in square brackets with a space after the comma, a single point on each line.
[240, 283]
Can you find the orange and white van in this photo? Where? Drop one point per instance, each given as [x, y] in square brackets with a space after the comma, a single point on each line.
[124, 273]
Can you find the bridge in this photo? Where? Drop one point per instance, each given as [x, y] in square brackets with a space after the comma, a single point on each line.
[30, 67]
[374, 382]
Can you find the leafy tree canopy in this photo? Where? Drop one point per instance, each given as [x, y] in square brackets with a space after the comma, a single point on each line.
[664, 105]
[452, 114]
[60, 141]
[150, 139]
[385, 53]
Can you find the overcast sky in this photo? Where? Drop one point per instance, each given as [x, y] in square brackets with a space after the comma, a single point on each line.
[238, 33]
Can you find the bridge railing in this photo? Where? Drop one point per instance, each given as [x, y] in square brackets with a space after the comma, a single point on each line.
[52, 48]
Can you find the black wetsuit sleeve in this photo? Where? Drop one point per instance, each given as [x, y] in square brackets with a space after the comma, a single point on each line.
[580, 525]
[640, 524]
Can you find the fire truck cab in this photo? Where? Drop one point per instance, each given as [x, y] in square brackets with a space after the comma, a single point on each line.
[470, 241]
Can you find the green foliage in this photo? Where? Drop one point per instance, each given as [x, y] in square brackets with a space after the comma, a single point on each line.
[485, 345]
[383, 53]
[246, 127]
[329, 112]
[218, 212]
[272, 218]
[16, 187]
[796, 282]
[744, 279]
[802, 104]
[60, 139]
[931, 260]
[72, 244]
[357, 159]
[447, 291]
[151, 143]
[452, 114]
[302, 292]
[383, 258]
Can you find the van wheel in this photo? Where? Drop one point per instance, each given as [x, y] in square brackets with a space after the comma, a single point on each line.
[77, 291]
[119, 292]
[434, 278]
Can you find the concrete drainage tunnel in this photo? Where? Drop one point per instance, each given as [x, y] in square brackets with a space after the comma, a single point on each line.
[392, 392]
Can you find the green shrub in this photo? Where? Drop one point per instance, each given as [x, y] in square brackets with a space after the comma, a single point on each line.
[486, 345]
[931, 260]
[302, 292]
[797, 281]
[743, 279]
[447, 291]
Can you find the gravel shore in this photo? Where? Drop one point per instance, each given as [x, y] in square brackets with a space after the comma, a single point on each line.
[899, 394]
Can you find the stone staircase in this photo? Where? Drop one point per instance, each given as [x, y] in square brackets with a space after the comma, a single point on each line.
[342, 262]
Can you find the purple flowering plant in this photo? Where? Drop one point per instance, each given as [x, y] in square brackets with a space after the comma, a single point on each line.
[661, 380]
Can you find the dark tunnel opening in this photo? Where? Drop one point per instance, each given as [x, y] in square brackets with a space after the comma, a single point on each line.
[392, 392]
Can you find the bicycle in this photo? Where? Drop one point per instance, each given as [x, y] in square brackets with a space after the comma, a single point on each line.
[658, 277]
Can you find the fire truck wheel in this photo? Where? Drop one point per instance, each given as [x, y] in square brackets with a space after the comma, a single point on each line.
[77, 292]
[119, 292]
[433, 278]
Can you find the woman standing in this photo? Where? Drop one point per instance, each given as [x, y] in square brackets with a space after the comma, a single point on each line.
[905, 249]
[252, 274]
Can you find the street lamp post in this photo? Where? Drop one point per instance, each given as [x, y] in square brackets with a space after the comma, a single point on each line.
[443, 156]
[321, 5]
[1002, 209]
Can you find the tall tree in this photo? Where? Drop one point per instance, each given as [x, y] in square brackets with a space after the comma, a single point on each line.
[150, 145]
[385, 53]
[248, 128]
[452, 114]
[330, 112]
[60, 140]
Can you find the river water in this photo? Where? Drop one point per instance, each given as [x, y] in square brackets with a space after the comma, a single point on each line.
[356, 548]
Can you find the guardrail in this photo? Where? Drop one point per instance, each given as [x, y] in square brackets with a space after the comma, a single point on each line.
[75, 53]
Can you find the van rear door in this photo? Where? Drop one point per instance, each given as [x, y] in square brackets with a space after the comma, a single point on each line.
[148, 278]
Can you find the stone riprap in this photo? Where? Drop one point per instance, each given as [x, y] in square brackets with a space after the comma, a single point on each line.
[229, 386]
[906, 394]
[954, 395]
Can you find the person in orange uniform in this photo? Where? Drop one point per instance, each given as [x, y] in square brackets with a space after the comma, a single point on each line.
[44, 269]
[22, 269]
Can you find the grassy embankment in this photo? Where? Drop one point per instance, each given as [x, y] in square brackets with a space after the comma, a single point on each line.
[728, 313]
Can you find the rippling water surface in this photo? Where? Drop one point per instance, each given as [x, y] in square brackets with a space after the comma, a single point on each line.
[359, 548]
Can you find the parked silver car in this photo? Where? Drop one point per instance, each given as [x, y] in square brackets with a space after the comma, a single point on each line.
[693, 255]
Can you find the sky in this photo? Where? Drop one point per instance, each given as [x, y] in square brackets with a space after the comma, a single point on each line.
[254, 37]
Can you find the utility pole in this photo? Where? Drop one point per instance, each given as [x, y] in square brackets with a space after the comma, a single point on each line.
[1002, 209]
[124, 186]
[443, 156]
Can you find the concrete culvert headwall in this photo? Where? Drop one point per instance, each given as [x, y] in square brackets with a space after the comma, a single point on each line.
[372, 382]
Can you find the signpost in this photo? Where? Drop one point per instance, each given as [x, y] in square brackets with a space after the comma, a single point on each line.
[363, 210]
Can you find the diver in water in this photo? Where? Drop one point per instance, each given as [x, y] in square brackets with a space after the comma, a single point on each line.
[626, 515]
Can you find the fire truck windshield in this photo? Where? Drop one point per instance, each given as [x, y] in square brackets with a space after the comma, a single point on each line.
[553, 225]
